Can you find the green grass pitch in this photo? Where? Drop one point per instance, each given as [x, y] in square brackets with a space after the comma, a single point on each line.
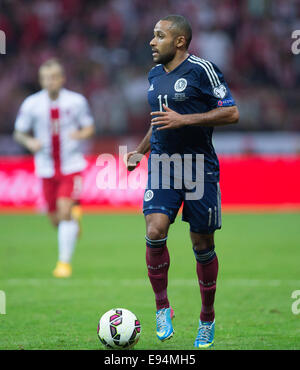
[259, 268]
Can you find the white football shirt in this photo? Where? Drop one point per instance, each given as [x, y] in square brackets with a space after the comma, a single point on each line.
[52, 122]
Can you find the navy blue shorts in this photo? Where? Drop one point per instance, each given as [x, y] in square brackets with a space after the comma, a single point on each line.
[203, 215]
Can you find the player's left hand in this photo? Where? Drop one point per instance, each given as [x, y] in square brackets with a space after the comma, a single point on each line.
[83, 133]
[76, 135]
[169, 119]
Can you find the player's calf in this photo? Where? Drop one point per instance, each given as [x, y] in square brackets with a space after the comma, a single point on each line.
[158, 261]
[64, 209]
[68, 229]
[53, 218]
[207, 272]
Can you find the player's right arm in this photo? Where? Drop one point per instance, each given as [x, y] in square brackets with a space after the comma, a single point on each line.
[132, 159]
[23, 126]
[28, 141]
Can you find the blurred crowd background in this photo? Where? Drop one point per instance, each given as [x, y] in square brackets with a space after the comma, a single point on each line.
[104, 46]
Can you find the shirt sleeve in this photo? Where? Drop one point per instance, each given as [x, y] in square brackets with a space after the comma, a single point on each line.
[85, 117]
[24, 120]
[213, 87]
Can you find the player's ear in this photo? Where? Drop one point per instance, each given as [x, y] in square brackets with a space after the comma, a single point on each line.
[180, 41]
[63, 79]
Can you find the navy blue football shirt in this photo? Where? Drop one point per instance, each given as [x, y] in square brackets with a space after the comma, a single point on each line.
[195, 86]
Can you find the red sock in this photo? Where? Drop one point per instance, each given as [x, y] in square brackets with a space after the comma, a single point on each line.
[158, 261]
[207, 277]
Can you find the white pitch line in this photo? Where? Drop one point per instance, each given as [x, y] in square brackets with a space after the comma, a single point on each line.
[145, 282]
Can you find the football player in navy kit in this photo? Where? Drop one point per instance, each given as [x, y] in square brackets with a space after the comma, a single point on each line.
[188, 97]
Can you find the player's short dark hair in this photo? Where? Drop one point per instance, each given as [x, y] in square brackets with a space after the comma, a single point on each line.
[181, 25]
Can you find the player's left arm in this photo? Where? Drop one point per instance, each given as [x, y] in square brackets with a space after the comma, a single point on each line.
[215, 117]
[86, 122]
[83, 133]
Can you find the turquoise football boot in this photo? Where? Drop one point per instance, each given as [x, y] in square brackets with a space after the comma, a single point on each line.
[206, 334]
[164, 328]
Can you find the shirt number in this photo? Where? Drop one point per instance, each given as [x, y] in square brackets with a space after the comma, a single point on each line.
[160, 99]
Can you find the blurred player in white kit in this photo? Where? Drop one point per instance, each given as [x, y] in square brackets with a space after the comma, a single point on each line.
[50, 124]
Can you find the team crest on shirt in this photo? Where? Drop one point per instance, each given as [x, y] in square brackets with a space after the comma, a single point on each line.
[220, 91]
[148, 195]
[180, 85]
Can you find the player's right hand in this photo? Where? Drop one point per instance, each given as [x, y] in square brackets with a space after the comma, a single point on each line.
[132, 159]
[33, 145]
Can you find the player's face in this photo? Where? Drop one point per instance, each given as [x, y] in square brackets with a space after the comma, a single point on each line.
[52, 79]
[163, 44]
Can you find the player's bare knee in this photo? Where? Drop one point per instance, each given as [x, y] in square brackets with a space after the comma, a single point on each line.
[156, 232]
[64, 214]
[64, 208]
[52, 216]
[200, 246]
[54, 222]
[157, 226]
[202, 241]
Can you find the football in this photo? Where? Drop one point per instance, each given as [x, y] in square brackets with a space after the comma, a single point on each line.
[119, 328]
